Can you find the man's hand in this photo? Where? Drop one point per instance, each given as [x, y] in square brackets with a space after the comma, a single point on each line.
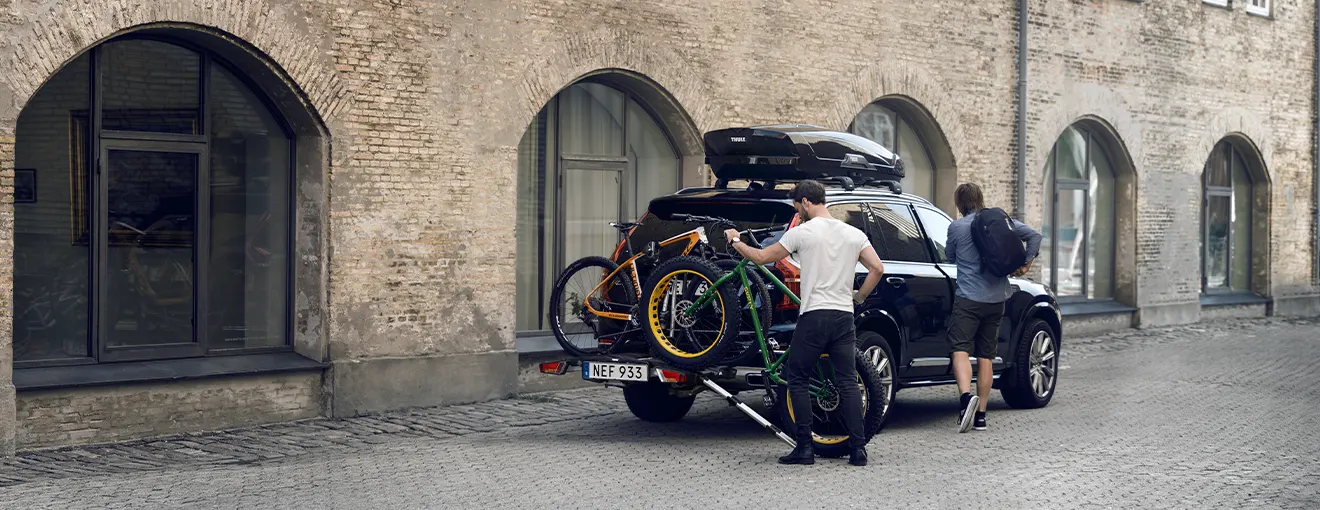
[858, 297]
[730, 234]
[1023, 270]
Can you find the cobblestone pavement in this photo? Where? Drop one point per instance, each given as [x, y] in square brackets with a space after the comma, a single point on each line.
[1219, 415]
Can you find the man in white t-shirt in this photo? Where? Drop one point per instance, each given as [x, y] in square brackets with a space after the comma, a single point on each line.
[827, 251]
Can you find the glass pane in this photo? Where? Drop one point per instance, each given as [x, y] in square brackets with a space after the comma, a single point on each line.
[1240, 277]
[902, 237]
[1100, 237]
[852, 214]
[532, 228]
[1217, 212]
[1048, 271]
[591, 202]
[249, 219]
[876, 123]
[1216, 168]
[1070, 155]
[654, 161]
[1069, 236]
[50, 308]
[149, 278]
[150, 86]
[591, 120]
[920, 173]
[937, 230]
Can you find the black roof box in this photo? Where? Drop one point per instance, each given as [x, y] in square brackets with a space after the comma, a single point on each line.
[794, 152]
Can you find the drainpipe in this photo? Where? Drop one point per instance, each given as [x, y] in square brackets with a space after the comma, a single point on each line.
[1021, 201]
[1315, 155]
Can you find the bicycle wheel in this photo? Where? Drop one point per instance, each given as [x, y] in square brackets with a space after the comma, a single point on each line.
[580, 298]
[829, 435]
[689, 340]
[764, 311]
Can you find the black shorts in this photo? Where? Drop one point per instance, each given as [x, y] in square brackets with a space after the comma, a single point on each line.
[976, 322]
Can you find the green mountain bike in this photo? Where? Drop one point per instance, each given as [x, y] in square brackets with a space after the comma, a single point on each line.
[693, 311]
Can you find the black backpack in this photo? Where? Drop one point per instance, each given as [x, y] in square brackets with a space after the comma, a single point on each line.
[1001, 250]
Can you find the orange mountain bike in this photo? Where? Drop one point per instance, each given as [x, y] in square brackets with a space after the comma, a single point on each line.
[594, 307]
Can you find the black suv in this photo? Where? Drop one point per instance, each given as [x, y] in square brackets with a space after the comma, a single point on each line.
[902, 327]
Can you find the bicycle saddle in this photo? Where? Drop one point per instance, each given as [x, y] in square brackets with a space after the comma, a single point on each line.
[624, 226]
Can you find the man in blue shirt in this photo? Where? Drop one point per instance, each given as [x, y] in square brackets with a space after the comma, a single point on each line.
[978, 305]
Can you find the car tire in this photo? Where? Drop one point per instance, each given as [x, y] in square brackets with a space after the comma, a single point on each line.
[652, 401]
[875, 348]
[1035, 373]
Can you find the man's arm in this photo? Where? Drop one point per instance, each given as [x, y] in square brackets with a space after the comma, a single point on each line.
[1030, 236]
[775, 253]
[874, 270]
[951, 246]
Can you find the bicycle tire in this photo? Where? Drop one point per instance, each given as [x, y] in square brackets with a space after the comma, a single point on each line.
[623, 301]
[665, 330]
[836, 445]
[765, 311]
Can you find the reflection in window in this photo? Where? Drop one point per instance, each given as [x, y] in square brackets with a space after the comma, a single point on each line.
[162, 202]
[892, 130]
[896, 232]
[1226, 222]
[1077, 252]
[593, 155]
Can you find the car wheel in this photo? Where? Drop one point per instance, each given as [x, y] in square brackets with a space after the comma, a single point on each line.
[1035, 368]
[652, 401]
[877, 352]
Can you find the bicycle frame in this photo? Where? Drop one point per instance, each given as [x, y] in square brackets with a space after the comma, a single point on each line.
[772, 367]
[694, 238]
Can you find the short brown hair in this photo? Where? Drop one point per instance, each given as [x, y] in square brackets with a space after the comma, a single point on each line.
[968, 198]
[811, 190]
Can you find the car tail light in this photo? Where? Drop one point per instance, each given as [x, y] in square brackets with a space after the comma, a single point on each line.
[554, 367]
[792, 277]
[671, 376]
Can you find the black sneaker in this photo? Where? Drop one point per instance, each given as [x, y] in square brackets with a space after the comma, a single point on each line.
[858, 457]
[979, 422]
[968, 402]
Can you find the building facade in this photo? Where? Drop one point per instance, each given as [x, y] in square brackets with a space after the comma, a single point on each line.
[239, 212]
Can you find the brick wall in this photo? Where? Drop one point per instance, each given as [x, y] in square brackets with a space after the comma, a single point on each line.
[95, 415]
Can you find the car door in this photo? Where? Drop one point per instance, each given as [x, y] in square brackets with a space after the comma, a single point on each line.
[915, 284]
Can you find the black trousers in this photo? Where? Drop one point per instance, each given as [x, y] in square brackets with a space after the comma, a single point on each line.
[825, 332]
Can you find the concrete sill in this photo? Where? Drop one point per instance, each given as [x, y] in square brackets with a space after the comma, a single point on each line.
[1232, 299]
[1084, 308]
[105, 374]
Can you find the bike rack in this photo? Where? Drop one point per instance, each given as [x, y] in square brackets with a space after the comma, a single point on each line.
[734, 401]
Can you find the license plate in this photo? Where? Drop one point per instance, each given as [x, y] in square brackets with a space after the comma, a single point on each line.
[613, 371]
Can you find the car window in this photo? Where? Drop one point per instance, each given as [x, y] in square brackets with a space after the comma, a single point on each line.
[937, 229]
[852, 214]
[899, 237]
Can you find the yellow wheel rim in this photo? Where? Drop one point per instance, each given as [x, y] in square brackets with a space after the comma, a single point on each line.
[831, 439]
[653, 314]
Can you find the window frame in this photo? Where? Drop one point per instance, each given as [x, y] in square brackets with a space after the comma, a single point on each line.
[925, 231]
[1207, 191]
[99, 141]
[1073, 184]
[1259, 7]
[552, 255]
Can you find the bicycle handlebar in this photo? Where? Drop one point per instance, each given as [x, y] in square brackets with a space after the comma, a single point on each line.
[692, 218]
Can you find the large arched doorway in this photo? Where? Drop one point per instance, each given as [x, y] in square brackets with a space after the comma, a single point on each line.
[1088, 214]
[155, 206]
[905, 127]
[1234, 220]
[596, 153]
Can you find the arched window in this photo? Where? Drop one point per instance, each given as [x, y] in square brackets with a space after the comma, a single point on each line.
[593, 155]
[1226, 229]
[896, 131]
[153, 215]
[1078, 251]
